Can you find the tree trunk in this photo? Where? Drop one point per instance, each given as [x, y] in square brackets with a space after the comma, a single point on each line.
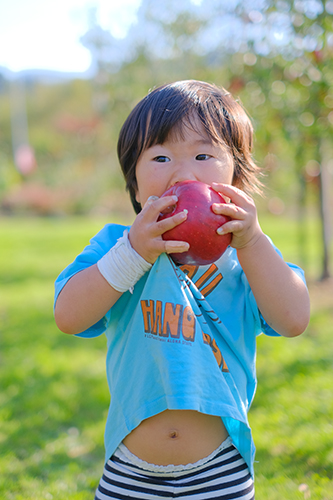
[324, 205]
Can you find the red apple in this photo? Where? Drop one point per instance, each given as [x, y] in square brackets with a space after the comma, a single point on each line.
[199, 229]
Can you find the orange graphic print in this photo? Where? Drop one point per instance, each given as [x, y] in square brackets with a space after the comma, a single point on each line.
[205, 284]
[168, 319]
[217, 353]
[170, 322]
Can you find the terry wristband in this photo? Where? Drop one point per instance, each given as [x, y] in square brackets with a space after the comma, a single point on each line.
[122, 266]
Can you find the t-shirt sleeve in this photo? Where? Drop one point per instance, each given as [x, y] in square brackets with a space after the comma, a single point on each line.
[267, 330]
[99, 245]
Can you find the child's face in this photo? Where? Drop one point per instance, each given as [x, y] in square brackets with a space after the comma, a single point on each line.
[193, 157]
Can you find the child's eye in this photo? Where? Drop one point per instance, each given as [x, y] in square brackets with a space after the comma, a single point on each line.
[202, 157]
[161, 159]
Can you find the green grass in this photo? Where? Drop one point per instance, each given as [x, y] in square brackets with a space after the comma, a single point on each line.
[292, 413]
[299, 244]
[54, 397]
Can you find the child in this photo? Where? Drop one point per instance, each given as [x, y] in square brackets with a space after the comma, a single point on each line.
[181, 339]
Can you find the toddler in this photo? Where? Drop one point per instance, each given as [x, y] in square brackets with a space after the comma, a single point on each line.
[181, 340]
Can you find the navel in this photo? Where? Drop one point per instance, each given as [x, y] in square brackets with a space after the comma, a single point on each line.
[173, 434]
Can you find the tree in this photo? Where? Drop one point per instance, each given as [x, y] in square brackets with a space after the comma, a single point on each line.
[276, 54]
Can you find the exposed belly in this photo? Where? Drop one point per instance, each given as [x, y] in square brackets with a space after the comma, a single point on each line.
[176, 437]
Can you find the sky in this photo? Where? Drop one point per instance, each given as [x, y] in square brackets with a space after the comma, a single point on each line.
[45, 34]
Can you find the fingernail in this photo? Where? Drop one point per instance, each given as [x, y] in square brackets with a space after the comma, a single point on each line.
[183, 214]
[220, 230]
[152, 198]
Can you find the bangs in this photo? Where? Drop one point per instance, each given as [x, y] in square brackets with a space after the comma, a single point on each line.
[175, 109]
[168, 111]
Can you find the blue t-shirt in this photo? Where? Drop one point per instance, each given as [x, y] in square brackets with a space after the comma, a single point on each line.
[184, 339]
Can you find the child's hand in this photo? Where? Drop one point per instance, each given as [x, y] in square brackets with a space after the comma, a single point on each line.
[280, 293]
[244, 225]
[146, 232]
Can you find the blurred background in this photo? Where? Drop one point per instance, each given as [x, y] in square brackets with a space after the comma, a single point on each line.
[70, 73]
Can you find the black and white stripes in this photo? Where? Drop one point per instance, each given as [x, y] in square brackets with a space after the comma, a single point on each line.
[223, 476]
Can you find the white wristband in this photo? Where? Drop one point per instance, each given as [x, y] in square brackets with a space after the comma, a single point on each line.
[122, 266]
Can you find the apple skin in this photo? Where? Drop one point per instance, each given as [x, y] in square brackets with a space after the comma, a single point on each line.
[199, 229]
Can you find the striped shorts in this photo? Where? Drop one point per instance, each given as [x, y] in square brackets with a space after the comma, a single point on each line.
[222, 475]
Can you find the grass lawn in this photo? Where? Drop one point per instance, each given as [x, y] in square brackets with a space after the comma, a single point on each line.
[54, 397]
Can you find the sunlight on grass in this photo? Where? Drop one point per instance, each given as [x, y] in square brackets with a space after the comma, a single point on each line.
[292, 412]
[54, 396]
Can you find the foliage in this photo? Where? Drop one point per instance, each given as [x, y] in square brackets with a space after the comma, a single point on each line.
[275, 56]
[54, 396]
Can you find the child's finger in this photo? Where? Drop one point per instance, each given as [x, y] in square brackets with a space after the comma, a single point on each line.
[154, 205]
[176, 246]
[171, 222]
[236, 195]
[233, 226]
[229, 210]
[150, 200]
[159, 246]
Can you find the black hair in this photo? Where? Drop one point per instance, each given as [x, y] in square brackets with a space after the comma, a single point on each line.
[172, 107]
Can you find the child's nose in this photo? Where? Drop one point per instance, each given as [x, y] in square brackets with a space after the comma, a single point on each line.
[183, 173]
